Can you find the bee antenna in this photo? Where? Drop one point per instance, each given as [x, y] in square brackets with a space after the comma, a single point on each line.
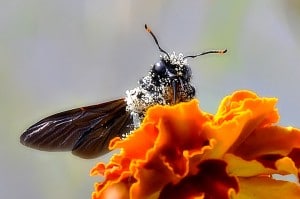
[152, 34]
[207, 52]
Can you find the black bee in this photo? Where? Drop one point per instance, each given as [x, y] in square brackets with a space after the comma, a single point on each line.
[86, 131]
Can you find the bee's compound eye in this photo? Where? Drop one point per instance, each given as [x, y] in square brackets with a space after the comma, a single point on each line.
[159, 67]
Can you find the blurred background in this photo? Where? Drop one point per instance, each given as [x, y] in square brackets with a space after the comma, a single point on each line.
[57, 55]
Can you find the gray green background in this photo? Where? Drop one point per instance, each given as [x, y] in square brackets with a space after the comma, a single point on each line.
[58, 54]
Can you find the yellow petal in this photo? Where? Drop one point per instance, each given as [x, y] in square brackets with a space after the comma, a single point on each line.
[265, 188]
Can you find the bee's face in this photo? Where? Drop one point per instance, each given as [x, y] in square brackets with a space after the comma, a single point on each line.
[171, 67]
[168, 82]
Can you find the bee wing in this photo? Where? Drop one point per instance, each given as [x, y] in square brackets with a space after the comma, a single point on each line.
[86, 131]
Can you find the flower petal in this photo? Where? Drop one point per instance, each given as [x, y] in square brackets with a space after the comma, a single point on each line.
[245, 168]
[238, 115]
[244, 100]
[269, 140]
[248, 168]
[179, 132]
[264, 187]
[212, 181]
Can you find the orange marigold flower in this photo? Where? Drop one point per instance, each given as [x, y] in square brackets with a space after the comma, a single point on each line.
[183, 152]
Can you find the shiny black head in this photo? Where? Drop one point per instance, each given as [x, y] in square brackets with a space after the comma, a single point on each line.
[173, 67]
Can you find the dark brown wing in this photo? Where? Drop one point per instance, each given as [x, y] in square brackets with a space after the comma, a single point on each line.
[86, 131]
